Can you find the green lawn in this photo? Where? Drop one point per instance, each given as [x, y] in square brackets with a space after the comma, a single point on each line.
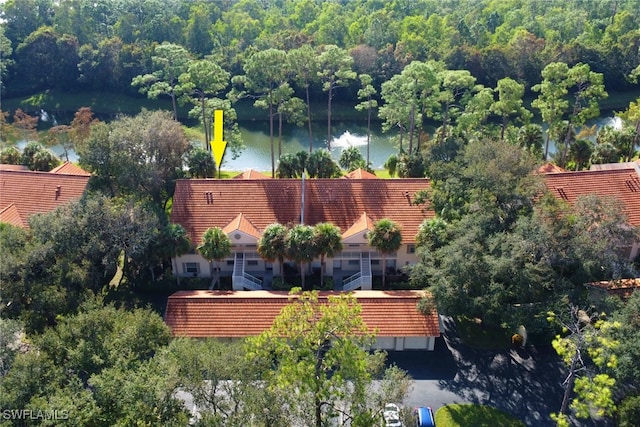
[468, 415]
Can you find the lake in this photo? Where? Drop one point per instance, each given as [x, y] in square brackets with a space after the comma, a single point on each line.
[257, 152]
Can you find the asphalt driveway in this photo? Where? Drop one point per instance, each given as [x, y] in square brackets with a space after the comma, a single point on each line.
[526, 383]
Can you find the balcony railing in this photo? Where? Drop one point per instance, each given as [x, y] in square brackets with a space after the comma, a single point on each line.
[241, 279]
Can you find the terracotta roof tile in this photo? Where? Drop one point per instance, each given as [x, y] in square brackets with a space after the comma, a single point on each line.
[360, 174]
[6, 167]
[10, 215]
[251, 174]
[550, 168]
[363, 223]
[37, 192]
[620, 287]
[227, 314]
[241, 223]
[623, 184]
[69, 168]
[202, 203]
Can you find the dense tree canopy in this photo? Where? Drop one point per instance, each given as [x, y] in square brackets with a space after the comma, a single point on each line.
[451, 79]
[98, 368]
[501, 251]
[74, 252]
[321, 365]
[495, 59]
[492, 40]
[140, 155]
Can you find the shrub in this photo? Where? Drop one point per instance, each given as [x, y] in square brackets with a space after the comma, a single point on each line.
[629, 412]
[279, 284]
[328, 284]
[10, 156]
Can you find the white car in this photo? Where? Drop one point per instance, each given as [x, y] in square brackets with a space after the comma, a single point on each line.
[391, 415]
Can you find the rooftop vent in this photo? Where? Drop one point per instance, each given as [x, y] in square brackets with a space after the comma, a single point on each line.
[562, 193]
[633, 183]
[208, 197]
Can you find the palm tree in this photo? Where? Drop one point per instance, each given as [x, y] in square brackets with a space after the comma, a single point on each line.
[301, 246]
[386, 238]
[272, 244]
[328, 241]
[531, 138]
[580, 152]
[215, 246]
[179, 243]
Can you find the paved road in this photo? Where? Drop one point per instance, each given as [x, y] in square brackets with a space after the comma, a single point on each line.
[526, 383]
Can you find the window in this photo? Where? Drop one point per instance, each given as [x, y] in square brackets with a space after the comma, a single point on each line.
[411, 249]
[229, 262]
[375, 262]
[191, 268]
[354, 262]
[252, 262]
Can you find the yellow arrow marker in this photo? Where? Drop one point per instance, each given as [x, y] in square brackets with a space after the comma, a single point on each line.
[218, 145]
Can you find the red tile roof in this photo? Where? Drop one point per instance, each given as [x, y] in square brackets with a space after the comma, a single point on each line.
[10, 215]
[69, 168]
[251, 174]
[36, 192]
[227, 314]
[363, 223]
[623, 184]
[241, 223]
[6, 167]
[550, 168]
[202, 203]
[360, 174]
[620, 287]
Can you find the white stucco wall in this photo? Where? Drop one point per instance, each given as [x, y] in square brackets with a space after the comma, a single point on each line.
[203, 265]
[401, 258]
[405, 343]
[404, 256]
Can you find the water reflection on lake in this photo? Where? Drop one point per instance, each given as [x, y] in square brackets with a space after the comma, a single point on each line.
[257, 154]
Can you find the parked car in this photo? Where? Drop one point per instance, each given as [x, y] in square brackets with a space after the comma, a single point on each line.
[391, 415]
[424, 417]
